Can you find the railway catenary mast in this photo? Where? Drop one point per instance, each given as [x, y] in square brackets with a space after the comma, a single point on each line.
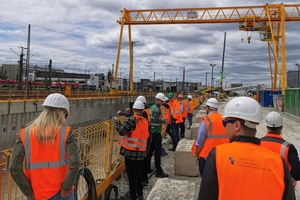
[269, 20]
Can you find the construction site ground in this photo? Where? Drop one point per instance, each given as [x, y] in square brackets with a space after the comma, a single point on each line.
[183, 187]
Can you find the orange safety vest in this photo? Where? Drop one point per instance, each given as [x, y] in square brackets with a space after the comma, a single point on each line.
[191, 107]
[276, 143]
[45, 163]
[175, 111]
[215, 134]
[167, 114]
[253, 171]
[148, 115]
[184, 111]
[136, 140]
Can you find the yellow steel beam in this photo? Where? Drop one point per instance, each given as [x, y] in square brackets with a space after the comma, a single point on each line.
[206, 15]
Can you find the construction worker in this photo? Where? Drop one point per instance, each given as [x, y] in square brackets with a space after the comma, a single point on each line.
[156, 121]
[51, 154]
[274, 141]
[190, 110]
[183, 108]
[243, 169]
[176, 119]
[134, 143]
[146, 115]
[210, 133]
[167, 117]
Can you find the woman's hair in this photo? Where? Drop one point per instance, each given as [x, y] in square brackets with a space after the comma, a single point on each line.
[47, 124]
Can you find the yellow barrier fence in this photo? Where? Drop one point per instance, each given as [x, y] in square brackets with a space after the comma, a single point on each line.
[99, 151]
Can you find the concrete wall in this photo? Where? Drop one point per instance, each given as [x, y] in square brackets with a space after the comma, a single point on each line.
[16, 114]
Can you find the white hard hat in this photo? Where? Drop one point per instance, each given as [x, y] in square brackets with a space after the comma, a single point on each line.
[212, 102]
[160, 96]
[274, 119]
[138, 105]
[244, 108]
[166, 99]
[56, 100]
[190, 97]
[141, 98]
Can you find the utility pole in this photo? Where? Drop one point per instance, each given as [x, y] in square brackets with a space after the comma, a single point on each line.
[222, 69]
[50, 74]
[21, 69]
[212, 75]
[27, 57]
[183, 77]
[154, 81]
[206, 79]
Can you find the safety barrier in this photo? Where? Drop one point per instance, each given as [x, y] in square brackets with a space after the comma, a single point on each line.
[99, 151]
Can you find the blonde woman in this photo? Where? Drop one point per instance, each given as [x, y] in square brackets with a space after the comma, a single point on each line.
[50, 151]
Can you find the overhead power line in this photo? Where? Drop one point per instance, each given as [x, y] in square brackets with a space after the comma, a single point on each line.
[42, 27]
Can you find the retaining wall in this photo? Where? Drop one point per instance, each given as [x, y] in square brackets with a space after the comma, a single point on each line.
[16, 114]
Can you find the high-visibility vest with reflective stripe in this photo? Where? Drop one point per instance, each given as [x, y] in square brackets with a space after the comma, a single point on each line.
[215, 134]
[276, 143]
[191, 107]
[136, 140]
[175, 111]
[248, 171]
[45, 163]
[184, 110]
[155, 127]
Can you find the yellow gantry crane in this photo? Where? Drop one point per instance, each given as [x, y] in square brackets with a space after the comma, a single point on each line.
[269, 20]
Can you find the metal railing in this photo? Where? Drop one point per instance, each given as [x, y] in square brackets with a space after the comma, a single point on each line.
[99, 151]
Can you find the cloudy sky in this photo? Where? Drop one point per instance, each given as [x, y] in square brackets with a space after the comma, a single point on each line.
[82, 36]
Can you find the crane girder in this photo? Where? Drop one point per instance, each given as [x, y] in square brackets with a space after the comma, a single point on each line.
[208, 15]
[268, 19]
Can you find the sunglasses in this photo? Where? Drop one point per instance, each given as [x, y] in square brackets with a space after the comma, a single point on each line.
[228, 121]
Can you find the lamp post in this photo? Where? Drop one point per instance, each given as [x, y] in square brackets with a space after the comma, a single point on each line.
[212, 75]
[298, 65]
[183, 77]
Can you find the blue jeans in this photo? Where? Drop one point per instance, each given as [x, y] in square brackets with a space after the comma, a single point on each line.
[190, 118]
[175, 133]
[201, 165]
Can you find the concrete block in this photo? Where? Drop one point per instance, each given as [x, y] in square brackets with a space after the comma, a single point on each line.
[194, 131]
[198, 118]
[166, 188]
[184, 163]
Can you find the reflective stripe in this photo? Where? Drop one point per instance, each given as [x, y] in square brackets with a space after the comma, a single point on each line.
[36, 165]
[283, 148]
[133, 145]
[134, 139]
[155, 124]
[210, 135]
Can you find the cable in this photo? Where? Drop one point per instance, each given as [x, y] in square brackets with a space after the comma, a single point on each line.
[108, 192]
[88, 176]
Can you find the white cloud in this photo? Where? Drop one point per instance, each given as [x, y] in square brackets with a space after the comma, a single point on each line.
[84, 34]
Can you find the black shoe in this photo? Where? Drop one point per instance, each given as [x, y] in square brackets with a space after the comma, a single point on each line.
[172, 149]
[150, 171]
[182, 136]
[145, 183]
[161, 175]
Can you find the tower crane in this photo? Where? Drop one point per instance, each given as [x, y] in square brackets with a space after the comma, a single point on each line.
[269, 20]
